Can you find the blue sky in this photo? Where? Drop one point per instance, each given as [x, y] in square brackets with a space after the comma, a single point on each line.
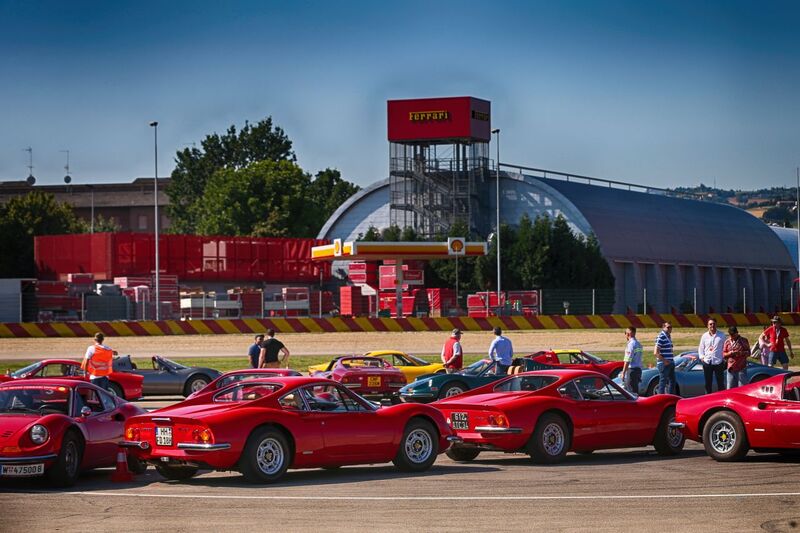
[658, 93]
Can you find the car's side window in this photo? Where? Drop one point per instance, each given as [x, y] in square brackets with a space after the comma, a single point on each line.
[292, 401]
[108, 402]
[570, 390]
[351, 403]
[324, 398]
[591, 388]
[86, 397]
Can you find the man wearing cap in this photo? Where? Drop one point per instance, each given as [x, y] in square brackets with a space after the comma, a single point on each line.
[501, 352]
[736, 351]
[452, 356]
[776, 335]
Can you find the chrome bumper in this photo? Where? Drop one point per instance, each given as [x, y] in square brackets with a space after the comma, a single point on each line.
[497, 430]
[203, 447]
[677, 425]
[142, 445]
[455, 439]
[29, 459]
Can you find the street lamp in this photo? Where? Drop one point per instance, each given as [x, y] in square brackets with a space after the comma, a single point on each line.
[91, 188]
[154, 125]
[497, 184]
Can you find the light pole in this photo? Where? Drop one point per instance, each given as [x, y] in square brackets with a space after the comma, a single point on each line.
[497, 184]
[154, 125]
[91, 214]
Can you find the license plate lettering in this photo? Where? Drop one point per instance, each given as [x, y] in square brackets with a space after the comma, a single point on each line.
[22, 470]
[373, 381]
[163, 436]
[459, 420]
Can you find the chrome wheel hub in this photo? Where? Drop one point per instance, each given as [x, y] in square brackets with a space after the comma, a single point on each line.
[674, 435]
[553, 439]
[723, 437]
[453, 391]
[270, 456]
[419, 446]
[198, 384]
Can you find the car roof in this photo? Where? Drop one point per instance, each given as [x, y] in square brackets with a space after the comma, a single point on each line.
[52, 382]
[565, 373]
[59, 362]
[379, 353]
[255, 371]
[297, 380]
[566, 350]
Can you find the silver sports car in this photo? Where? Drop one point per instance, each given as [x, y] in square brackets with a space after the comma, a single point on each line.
[689, 377]
[168, 377]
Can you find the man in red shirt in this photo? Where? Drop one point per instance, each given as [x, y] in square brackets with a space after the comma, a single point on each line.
[776, 336]
[452, 356]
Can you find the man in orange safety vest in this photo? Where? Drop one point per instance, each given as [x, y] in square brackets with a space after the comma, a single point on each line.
[98, 361]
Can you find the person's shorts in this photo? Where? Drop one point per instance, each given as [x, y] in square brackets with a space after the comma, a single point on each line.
[778, 357]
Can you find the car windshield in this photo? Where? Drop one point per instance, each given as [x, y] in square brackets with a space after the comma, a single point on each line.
[362, 362]
[525, 383]
[35, 399]
[593, 358]
[417, 360]
[172, 364]
[244, 376]
[22, 372]
[684, 362]
[246, 392]
[478, 368]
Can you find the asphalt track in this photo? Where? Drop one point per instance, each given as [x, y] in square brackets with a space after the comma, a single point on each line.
[621, 490]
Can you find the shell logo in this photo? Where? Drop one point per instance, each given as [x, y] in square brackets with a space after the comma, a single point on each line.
[456, 246]
[337, 247]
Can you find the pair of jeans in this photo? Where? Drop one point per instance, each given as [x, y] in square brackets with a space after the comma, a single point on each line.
[711, 372]
[737, 379]
[501, 369]
[633, 379]
[666, 376]
[101, 382]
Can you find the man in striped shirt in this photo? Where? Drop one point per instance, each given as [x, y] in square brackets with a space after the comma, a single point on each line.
[664, 360]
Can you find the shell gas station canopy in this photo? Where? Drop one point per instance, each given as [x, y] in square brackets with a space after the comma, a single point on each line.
[453, 248]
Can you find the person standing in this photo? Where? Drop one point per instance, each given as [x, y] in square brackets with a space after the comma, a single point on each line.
[736, 351]
[763, 348]
[98, 361]
[254, 352]
[270, 348]
[452, 356]
[631, 374]
[777, 336]
[710, 352]
[664, 357]
[501, 351]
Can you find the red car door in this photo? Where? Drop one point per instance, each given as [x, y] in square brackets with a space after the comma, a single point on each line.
[619, 420]
[104, 426]
[786, 422]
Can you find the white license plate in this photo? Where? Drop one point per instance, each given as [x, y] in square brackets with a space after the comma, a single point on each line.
[163, 436]
[459, 420]
[23, 470]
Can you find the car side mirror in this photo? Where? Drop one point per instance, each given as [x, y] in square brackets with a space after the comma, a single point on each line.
[86, 411]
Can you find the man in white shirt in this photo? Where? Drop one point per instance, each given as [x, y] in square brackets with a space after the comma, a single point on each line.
[710, 352]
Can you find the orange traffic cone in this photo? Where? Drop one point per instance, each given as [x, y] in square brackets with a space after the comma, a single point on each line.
[122, 474]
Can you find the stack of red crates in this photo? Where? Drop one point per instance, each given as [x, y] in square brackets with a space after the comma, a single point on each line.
[441, 301]
[168, 294]
[365, 273]
[55, 296]
[352, 302]
[528, 301]
[327, 302]
[477, 304]
[414, 301]
[80, 283]
[295, 294]
[250, 298]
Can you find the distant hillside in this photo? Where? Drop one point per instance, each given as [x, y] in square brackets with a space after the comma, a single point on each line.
[774, 206]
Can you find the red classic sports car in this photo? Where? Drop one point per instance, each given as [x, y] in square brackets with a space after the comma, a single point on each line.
[58, 427]
[764, 416]
[263, 427]
[127, 386]
[371, 377]
[579, 360]
[241, 375]
[547, 413]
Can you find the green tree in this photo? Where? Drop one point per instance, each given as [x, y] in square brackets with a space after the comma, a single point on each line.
[234, 150]
[327, 192]
[24, 217]
[265, 199]
[372, 235]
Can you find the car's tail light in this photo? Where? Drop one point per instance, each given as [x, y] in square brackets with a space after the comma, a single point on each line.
[132, 433]
[202, 435]
[498, 420]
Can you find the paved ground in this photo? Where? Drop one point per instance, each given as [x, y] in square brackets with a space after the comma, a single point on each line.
[626, 490]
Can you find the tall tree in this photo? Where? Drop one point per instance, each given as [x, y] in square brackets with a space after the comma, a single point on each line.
[234, 150]
[327, 192]
[24, 217]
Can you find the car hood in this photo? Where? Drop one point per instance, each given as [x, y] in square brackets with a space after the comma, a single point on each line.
[12, 424]
[489, 399]
[437, 380]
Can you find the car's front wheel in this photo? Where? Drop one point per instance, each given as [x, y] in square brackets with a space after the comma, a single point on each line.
[452, 389]
[65, 471]
[176, 473]
[550, 441]
[668, 440]
[266, 456]
[724, 437]
[195, 384]
[116, 390]
[418, 448]
[462, 455]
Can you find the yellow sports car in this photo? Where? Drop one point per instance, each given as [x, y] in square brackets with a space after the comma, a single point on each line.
[412, 367]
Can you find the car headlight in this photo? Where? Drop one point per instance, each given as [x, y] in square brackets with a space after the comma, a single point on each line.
[39, 434]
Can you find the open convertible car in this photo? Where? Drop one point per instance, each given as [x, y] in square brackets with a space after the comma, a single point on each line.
[263, 427]
[548, 413]
[371, 377]
[167, 377]
[689, 380]
[411, 366]
[763, 416]
[578, 360]
[242, 375]
[127, 386]
[436, 386]
[58, 427]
